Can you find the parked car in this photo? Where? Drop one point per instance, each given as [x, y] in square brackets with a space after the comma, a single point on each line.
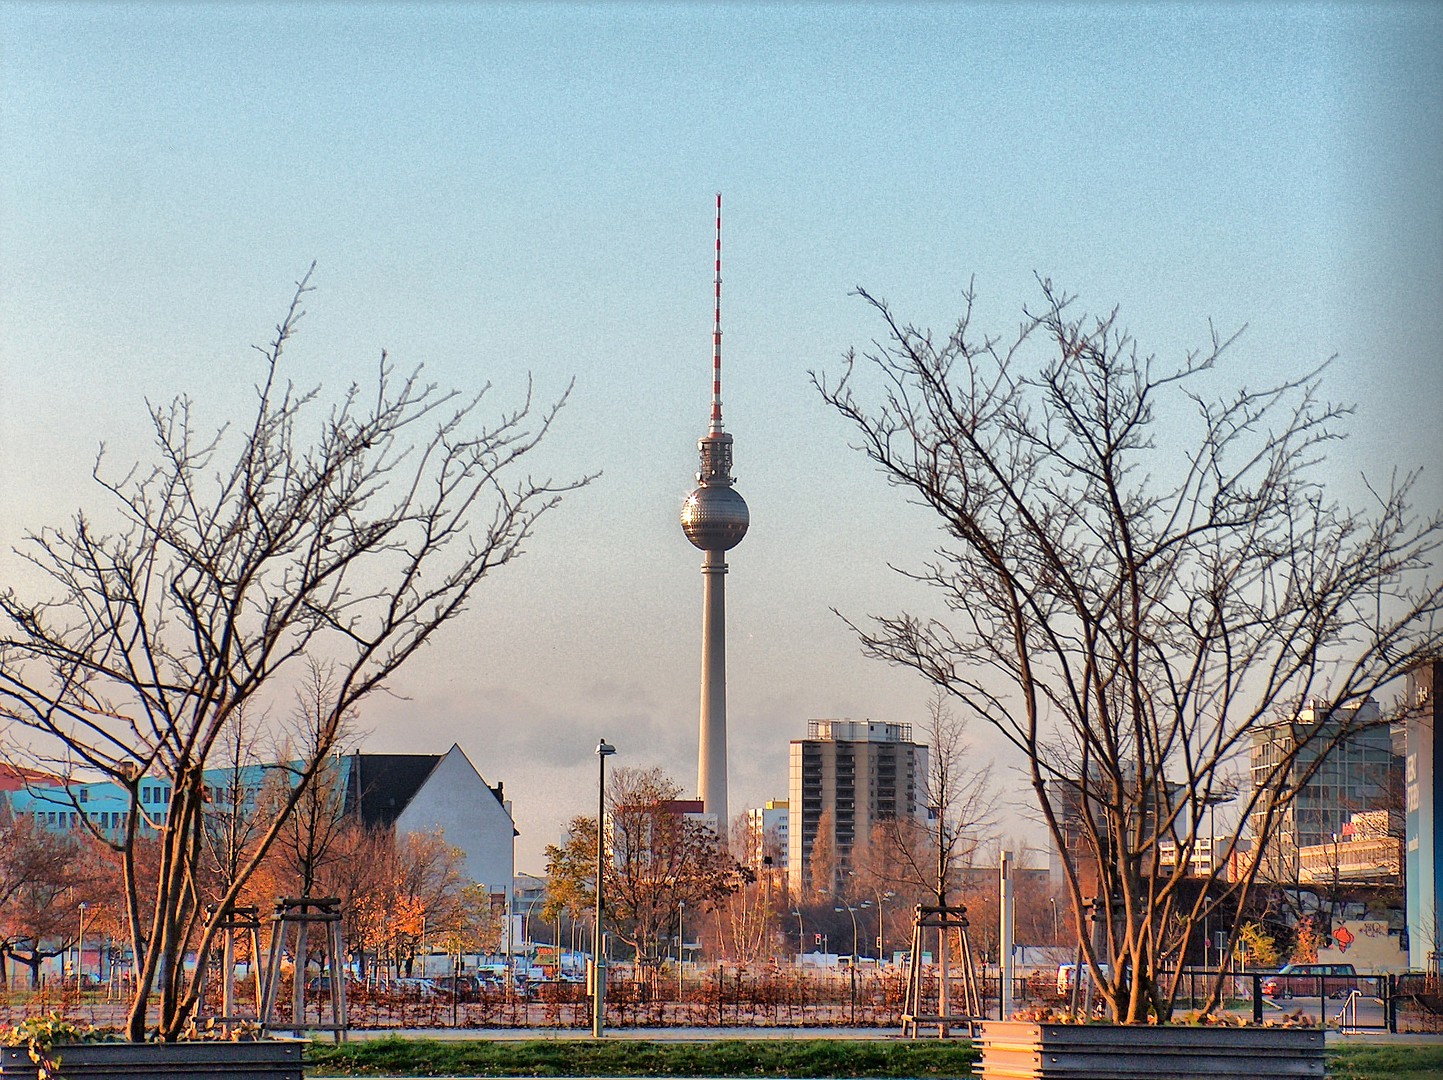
[461, 987]
[1335, 980]
[1067, 972]
[321, 984]
[415, 988]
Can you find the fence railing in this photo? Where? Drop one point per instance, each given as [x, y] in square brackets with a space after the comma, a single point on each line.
[783, 996]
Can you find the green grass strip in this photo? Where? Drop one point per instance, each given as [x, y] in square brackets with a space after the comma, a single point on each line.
[782, 1057]
[1385, 1061]
[393, 1056]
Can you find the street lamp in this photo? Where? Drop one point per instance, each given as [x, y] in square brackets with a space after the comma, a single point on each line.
[801, 934]
[680, 949]
[1053, 901]
[852, 967]
[80, 952]
[598, 962]
[850, 910]
[882, 898]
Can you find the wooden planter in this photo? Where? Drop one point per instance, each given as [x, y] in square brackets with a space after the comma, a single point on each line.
[264, 1060]
[1012, 1049]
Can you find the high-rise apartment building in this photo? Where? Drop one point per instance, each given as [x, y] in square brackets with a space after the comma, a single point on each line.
[1356, 775]
[847, 776]
[767, 828]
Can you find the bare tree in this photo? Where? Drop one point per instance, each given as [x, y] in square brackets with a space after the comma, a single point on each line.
[309, 843]
[747, 919]
[349, 535]
[961, 803]
[1138, 576]
[234, 818]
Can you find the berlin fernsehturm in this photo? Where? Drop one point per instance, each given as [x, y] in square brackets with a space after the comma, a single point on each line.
[714, 518]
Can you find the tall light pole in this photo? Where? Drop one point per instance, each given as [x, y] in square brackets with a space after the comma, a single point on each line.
[80, 952]
[511, 908]
[852, 967]
[801, 933]
[680, 949]
[598, 962]
[1053, 901]
[882, 925]
[881, 897]
[850, 910]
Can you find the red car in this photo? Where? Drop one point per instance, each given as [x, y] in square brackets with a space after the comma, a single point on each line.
[1335, 981]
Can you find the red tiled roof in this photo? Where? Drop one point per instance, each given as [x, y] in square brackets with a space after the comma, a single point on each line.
[16, 777]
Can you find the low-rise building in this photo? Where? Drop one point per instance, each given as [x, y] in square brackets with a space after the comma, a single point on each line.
[411, 793]
[1369, 848]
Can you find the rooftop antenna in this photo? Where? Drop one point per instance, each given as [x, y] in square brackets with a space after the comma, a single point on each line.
[716, 415]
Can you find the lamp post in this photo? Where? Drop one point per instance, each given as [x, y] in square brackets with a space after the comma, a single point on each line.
[598, 962]
[680, 950]
[1053, 901]
[511, 910]
[852, 967]
[80, 952]
[850, 910]
[882, 898]
[801, 934]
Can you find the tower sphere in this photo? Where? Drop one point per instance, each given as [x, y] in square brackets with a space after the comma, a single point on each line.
[715, 517]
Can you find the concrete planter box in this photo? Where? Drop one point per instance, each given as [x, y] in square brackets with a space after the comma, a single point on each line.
[1012, 1049]
[264, 1060]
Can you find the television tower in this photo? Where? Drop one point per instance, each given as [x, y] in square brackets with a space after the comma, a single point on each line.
[714, 518]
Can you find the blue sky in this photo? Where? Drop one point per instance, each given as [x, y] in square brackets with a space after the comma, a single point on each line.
[496, 190]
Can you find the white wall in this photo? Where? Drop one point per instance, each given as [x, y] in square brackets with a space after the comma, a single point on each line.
[456, 800]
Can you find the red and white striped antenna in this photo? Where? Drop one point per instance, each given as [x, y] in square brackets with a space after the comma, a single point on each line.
[716, 401]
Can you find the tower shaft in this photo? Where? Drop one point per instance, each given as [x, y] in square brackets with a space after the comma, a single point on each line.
[711, 781]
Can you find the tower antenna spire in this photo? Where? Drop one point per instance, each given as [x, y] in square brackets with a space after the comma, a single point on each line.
[716, 402]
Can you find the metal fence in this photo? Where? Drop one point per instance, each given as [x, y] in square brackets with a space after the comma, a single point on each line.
[785, 996]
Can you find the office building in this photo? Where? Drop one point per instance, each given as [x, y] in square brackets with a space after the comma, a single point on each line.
[1356, 774]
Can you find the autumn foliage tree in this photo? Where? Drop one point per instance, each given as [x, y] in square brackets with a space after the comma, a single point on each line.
[44, 876]
[345, 535]
[657, 858]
